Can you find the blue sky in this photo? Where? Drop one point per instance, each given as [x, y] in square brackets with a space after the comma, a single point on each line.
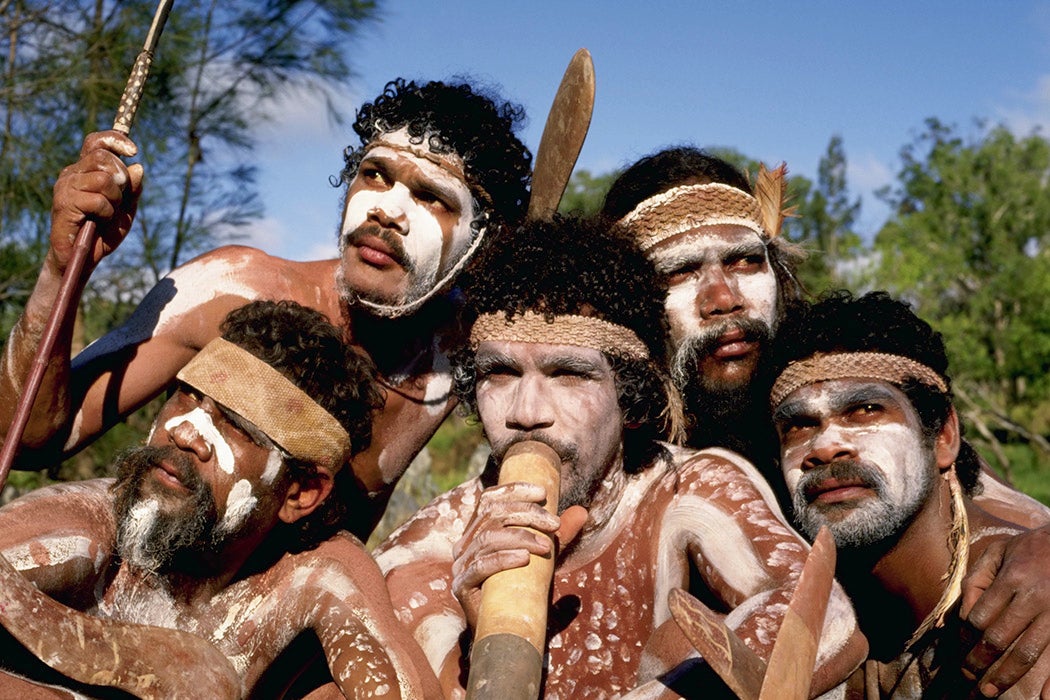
[772, 80]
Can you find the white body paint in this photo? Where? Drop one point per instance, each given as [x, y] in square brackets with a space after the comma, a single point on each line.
[59, 551]
[204, 426]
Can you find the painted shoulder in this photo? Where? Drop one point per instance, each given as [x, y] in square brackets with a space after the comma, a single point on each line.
[431, 533]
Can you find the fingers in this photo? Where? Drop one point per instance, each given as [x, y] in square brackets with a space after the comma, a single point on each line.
[1019, 658]
[99, 186]
[979, 580]
[111, 141]
[572, 521]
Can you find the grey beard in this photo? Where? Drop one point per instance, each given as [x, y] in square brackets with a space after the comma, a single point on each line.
[874, 522]
[690, 351]
[148, 537]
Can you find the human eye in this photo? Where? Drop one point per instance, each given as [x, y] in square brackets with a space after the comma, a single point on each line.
[681, 273]
[746, 262]
[373, 174]
[865, 411]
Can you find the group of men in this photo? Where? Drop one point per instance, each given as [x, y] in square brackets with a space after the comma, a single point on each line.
[610, 340]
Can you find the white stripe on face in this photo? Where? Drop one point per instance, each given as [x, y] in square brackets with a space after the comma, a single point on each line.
[422, 236]
[707, 253]
[204, 426]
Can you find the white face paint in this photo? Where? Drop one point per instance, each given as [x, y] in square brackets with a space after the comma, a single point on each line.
[871, 424]
[240, 503]
[561, 394]
[204, 426]
[712, 271]
[426, 208]
[721, 304]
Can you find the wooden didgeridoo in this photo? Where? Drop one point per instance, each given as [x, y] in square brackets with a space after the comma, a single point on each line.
[506, 660]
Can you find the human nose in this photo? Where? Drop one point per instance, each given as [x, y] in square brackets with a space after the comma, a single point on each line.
[718, 294]
[185, 436]
[390, 212]
[826, 447]
[529, 408]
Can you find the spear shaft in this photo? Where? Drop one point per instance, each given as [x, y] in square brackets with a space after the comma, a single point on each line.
[82, 245]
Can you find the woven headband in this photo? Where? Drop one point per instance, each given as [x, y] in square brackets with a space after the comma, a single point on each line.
[580, 331]
[895, 369]
[682, 209]
[257, 392]
[450, 163]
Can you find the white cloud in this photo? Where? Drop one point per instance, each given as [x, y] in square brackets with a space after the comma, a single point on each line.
[1030, 110]
[267, 234]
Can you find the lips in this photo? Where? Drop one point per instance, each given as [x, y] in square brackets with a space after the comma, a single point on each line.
[834, 490]
[733, 344]
[169, 475]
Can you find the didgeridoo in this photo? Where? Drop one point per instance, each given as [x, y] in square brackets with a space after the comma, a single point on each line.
[506, 661]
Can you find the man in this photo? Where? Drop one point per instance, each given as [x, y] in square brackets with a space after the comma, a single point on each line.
[569, 349]
[438, 167]
[221, 525]
[730, 278]
[732, 281]
[871, 448]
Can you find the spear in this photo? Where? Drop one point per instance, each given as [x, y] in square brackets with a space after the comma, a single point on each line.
[82, 245]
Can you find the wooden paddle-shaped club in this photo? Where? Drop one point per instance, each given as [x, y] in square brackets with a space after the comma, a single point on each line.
[789, 673]
[506, 660]
[82, 245]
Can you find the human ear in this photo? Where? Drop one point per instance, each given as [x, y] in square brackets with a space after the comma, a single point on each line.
[946, 445]
[305, 495]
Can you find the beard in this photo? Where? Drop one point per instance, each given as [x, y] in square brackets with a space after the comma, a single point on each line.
[868, 524]
[690, 353]
[723, 413]
[418, 285]
[578, 489]
[153, 535]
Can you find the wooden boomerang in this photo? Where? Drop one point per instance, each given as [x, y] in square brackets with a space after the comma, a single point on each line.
[149, 662]
[563, 136]
[789, 673]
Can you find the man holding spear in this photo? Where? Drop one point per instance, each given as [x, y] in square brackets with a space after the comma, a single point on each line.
[437, 169]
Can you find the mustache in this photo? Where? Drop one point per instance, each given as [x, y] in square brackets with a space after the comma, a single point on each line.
[850, 470]
[391, 239]
[567, 452]
[704, 341]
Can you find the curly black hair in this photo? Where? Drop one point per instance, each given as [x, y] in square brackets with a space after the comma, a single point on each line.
[687, 165]
[460, 119]
[568, 265]
[305, 347]
[876, 322]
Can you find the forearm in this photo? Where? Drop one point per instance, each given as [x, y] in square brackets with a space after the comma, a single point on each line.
[51, 414]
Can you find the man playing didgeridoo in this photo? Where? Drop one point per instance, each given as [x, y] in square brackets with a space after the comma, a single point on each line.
[568, 350]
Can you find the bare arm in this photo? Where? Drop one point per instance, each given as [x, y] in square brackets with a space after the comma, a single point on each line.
[61, 538]
[369, 651]
[98, 186]
[751, 559]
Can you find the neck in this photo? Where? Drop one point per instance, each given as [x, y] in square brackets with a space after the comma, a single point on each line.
[402, 345]
[892, 595]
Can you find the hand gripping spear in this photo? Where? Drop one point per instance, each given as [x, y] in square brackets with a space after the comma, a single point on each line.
[149, 662]
[82, 245]
[506, 662]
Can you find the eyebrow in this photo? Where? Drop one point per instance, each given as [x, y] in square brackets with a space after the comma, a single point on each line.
[422, 180]
[868, 392]
[485, 362]
[741, 249]
[571, 362]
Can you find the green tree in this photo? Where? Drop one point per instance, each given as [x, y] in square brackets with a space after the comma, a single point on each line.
[969, 245]
[824, 225]
[220, 69]
[585, 193]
